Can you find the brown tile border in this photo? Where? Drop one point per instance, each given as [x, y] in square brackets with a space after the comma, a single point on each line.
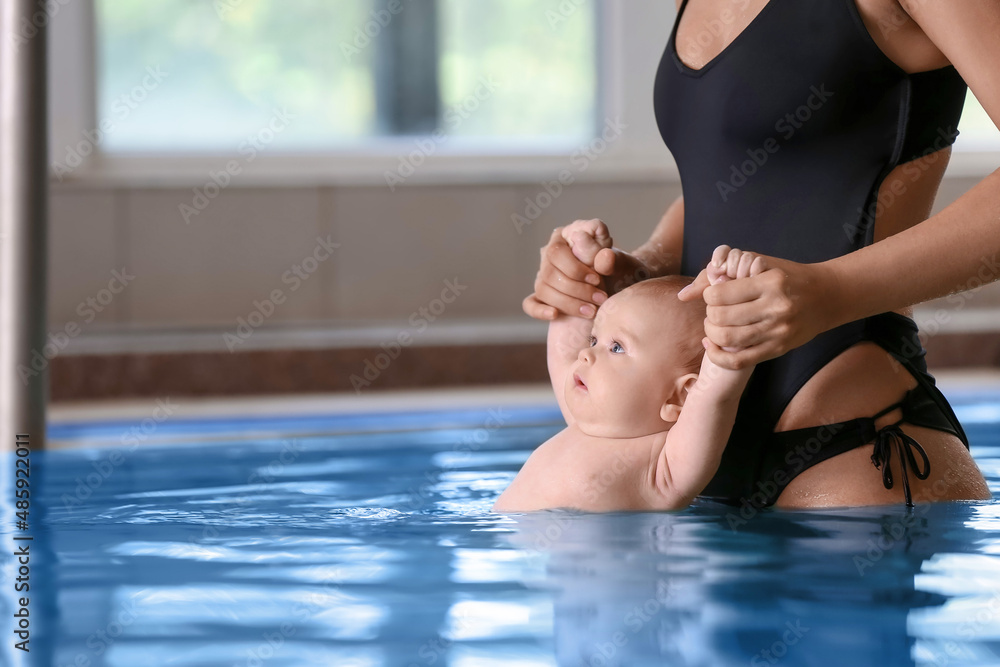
[291, 371]
[307, 371]
[963, 350]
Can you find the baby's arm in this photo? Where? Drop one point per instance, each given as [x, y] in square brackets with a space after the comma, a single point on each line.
[694, 445]
[568, 335]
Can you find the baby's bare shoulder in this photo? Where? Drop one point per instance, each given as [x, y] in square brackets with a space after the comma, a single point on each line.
[598, 473]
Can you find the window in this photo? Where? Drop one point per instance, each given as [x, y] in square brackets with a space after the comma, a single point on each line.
[204, 75]
[570, 68]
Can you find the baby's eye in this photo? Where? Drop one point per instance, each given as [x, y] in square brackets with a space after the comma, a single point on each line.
[616, 348]
[592, 341]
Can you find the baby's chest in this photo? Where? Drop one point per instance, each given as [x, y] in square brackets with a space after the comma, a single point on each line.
[600, 467]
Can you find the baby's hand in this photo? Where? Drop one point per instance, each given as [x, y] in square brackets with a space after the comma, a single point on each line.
[586, 238]
[731, 263]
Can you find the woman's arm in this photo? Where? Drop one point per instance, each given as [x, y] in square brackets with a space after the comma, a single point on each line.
[566, 285]
[662, 252]
[953, 251]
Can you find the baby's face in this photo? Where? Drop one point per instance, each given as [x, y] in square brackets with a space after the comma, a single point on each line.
[618, 385]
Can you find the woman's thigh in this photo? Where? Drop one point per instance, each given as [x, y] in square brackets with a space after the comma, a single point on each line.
[851, 479]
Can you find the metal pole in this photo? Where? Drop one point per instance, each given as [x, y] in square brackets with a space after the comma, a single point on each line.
[23, 222]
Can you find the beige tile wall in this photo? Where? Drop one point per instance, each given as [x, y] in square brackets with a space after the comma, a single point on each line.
[234, 252]
[85, 245]
[400, 247]
[396, 249]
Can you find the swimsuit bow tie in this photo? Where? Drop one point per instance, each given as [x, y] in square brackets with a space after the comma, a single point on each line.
[905, 445]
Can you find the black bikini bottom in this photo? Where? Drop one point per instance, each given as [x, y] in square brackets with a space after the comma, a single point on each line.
[788, 453]
[793, 451]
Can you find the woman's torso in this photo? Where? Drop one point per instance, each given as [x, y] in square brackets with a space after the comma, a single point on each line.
[759, 122]
[871, 46]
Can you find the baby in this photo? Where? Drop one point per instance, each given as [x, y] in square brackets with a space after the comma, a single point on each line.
[648, 414]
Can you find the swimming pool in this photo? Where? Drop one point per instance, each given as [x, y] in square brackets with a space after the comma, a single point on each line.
[367, 540]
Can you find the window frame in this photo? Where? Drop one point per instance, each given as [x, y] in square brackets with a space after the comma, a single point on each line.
[630, 41]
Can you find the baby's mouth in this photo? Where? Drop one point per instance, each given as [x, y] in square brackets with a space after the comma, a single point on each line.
[578, 382]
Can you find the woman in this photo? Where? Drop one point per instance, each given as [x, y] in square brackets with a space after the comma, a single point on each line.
[817, 133]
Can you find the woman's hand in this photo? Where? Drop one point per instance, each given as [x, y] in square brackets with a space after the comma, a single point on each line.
[767, 314]
[566, 284]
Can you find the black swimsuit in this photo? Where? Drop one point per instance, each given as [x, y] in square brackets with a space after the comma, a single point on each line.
[782, 141]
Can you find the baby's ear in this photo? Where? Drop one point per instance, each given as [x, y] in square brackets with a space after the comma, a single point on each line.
[671, 408]
[669, 412]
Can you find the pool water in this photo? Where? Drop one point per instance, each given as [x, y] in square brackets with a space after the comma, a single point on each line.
[368, 541]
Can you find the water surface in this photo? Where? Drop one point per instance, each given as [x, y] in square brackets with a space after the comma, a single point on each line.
[353, 541]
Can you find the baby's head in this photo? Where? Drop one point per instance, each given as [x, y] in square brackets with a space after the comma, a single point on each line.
[645, 353]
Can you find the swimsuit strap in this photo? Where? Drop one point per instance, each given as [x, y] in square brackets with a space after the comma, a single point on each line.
[888, 410]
